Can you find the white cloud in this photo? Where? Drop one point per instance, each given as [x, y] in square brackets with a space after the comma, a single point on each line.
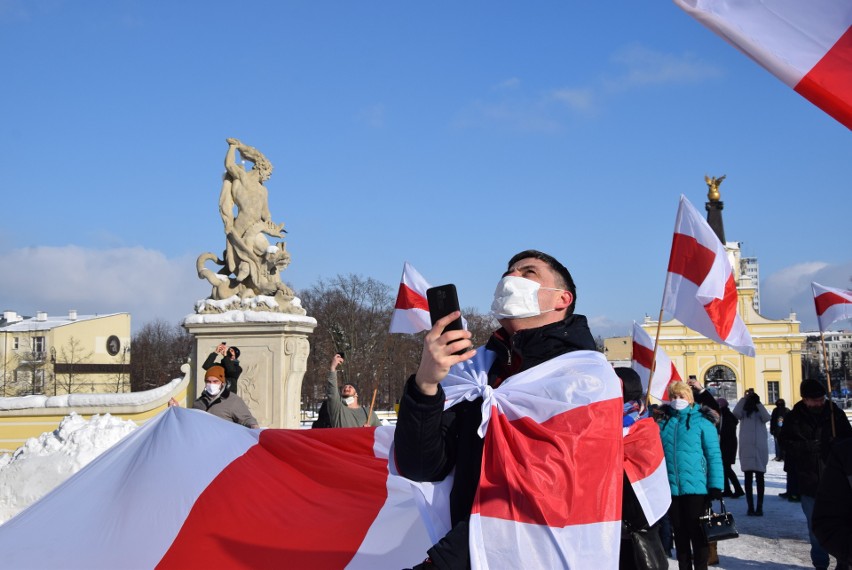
[142, 282]
[644, 66]
[577, 99]
[511, 83]
[790, 289]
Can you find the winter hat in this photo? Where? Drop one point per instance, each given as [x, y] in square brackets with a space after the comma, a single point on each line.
[723, 403]
[632, 383]
[812, 389]
[236, 352]
[217, 372]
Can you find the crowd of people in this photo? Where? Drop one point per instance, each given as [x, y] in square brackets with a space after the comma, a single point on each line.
[699, 435]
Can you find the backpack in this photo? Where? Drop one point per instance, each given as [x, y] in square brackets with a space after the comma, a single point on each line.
[323, 419]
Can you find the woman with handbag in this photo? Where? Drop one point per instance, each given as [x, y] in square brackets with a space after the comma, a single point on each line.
[754, 449]
[694, 465]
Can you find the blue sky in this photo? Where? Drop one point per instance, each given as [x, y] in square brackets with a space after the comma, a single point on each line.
[447, 134]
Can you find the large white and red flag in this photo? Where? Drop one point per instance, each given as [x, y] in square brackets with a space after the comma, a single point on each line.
[806, 44]
[190, 490]
[700, 289]
[643, 357]
[411, 311]
[832, 305]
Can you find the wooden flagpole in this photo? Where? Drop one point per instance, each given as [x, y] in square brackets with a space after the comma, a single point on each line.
[828, 381]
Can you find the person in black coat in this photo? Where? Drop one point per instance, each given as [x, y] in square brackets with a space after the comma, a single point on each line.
[230, 362]
[429, 442]
[776, 420]
[728, 444]
[832, 519]
[809, 431]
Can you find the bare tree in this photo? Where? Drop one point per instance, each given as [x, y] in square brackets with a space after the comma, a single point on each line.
[66, 368]
[159, 350]
[353, 315]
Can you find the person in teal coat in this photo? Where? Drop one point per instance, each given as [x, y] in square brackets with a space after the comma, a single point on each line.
[694, 466]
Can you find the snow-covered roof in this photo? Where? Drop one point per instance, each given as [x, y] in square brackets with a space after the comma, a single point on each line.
[46, 323]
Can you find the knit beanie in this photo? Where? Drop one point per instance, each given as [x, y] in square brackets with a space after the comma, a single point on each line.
[631, 381]
[217, 372]
[812, 389]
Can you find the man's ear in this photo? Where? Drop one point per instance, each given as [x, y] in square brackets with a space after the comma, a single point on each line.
[565, 300]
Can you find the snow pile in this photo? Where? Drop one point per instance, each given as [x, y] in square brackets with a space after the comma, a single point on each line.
[92, 400]
[42, 463]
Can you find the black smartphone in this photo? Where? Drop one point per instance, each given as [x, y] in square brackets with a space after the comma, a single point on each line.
[443, 300]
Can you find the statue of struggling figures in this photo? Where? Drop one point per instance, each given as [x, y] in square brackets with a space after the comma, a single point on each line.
[251, 266]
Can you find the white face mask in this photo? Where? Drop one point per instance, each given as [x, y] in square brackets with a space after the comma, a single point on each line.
[213, 389]
[680, 404]
[517, 298]
[348, 400]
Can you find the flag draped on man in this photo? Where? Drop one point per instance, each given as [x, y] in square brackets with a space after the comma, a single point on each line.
[700, 290]
[643, 357]
[806, 44]
[832, 305]
[411, 311]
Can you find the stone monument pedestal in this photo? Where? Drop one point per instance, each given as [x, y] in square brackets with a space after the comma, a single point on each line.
[273, 356]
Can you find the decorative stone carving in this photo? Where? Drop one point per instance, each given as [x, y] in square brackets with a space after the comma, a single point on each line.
[250, 274]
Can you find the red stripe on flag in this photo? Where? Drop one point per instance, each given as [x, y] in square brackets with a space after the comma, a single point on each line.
[675, 375]
[643, 355]
[298, 499]
[408, 298]
[723, 312]
[643, 449]
[690, 259]
[825, 301]
[565, 471]
[693, 261]
[828, 85]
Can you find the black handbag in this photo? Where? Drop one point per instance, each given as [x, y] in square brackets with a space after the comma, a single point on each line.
[718, 526]
[648, 553]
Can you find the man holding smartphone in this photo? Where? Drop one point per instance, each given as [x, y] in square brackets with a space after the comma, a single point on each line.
[534, 304]
[343, 407]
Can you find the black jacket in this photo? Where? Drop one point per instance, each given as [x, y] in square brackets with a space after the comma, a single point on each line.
[807, 441]
[232, 369]
[429, 442]
[832, 520]
[728, 436]
[779, 413]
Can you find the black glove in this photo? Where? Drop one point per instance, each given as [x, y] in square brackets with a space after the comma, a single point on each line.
[715, 494]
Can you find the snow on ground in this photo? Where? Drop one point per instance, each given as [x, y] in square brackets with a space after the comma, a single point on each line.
[777, 540]
[43, 463]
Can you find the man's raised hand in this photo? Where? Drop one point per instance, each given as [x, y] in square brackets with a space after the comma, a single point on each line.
[438, 353]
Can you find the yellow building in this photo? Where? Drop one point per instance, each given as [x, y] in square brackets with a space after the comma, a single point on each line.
[70, 354]
[774, 372]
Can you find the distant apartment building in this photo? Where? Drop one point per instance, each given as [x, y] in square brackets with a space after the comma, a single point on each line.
[750, 269]
[838, 353]
[55, 355]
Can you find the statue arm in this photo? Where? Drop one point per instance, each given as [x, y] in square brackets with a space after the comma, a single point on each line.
[230, 159]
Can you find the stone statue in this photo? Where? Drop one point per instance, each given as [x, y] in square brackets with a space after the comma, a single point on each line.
[713, 187]
[251, 268]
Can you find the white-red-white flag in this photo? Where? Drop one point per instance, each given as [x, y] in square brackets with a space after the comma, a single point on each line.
[645, 467]
[411, 311]
[700, 289]
[643, 357]
[189, 490]
[806, 44]
[832, 305]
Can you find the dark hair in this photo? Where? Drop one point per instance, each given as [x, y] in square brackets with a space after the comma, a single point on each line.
[752, 399]
[553, 263]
